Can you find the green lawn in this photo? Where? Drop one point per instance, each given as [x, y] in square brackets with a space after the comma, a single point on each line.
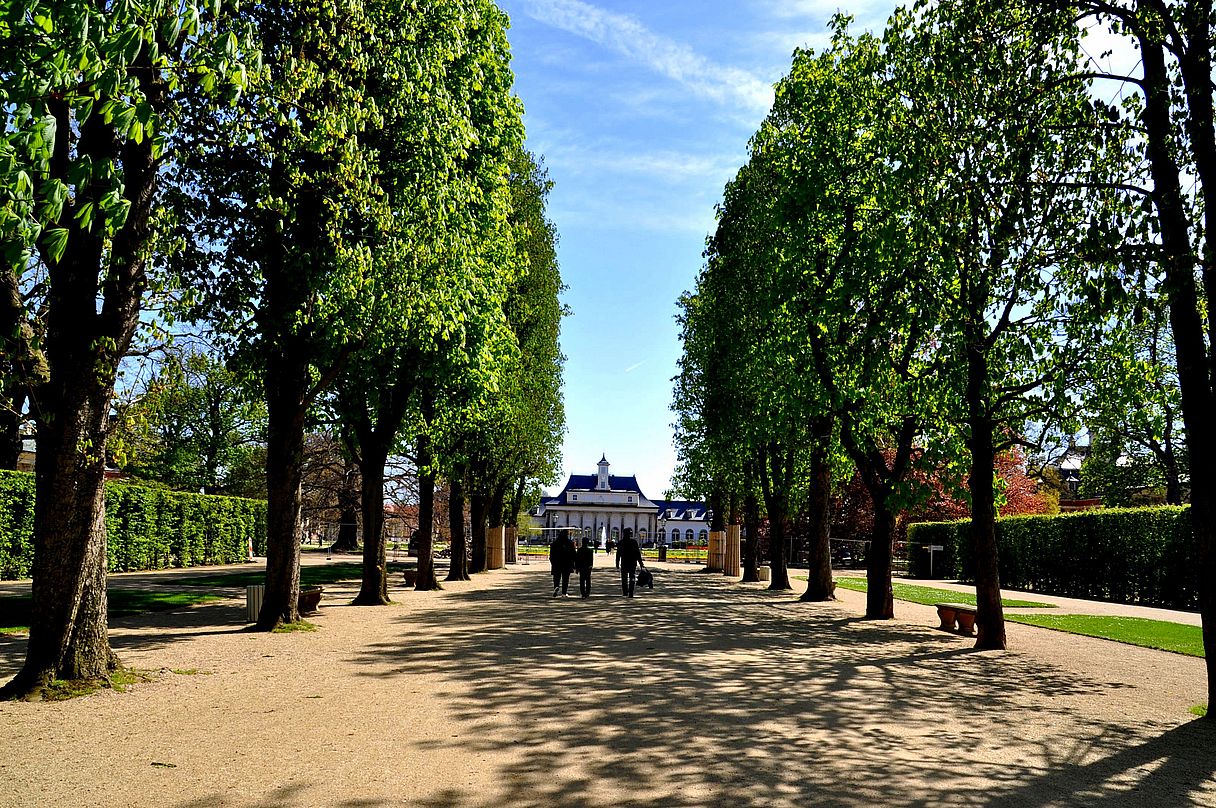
[15, 611]
[928, 595]
[1165, 636]
[309, 575]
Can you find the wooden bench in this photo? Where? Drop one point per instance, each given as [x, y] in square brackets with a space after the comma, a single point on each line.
[960, 614]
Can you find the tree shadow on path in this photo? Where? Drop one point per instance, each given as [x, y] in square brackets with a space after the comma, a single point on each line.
[703, 693]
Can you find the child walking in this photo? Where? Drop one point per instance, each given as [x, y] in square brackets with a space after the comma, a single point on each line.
[584, 560]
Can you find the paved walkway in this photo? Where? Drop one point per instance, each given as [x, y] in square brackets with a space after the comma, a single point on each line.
[704, 692]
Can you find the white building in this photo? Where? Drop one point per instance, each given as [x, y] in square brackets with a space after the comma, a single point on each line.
[602, 504]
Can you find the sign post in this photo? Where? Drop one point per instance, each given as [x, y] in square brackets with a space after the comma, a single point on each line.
[933, 548]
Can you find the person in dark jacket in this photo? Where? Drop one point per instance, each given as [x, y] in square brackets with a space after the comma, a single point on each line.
[629, 556]
[561, 561]
[584, 560]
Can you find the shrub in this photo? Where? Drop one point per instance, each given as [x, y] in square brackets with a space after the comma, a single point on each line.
[1127, 555]
[146, 528]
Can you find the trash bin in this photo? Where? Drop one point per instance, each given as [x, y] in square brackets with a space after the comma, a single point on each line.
[662, 552]
[253, 601]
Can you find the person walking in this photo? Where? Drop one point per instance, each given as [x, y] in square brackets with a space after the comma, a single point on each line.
[629, 558]
[584, 560]
[561, 561]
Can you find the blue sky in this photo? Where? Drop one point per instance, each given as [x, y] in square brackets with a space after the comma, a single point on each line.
[642, 111]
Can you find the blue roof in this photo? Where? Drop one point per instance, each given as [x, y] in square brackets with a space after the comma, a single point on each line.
[588, 482]
[673, 509]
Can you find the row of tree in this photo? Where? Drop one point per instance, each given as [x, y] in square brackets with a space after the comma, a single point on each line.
[945, 239]
[338, 193]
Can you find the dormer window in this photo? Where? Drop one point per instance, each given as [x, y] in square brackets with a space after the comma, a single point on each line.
[631, 499]
[574, 497]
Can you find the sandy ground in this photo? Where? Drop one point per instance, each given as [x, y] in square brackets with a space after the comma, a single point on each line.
[703, 692]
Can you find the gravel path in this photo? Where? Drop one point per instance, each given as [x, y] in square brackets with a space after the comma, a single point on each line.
[700, 693]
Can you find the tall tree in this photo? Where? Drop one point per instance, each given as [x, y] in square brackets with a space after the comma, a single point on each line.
[279, 246]
[867, 308]
[1018, 170]
[442, 81]
[1174, 104]
[1134, 416]
[89, 107]
[194, 425]
[508, 432]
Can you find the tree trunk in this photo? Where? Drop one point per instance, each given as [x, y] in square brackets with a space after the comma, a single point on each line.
[10, 437]
[287, 381]
[779, 570]
[68, 621]
[373, 456]
[751, 543]
[349, 504]
[989, 616]
[459, 568]
[1195, 374]
[717, 507]
[497, 507]
[517, 502]
[1173, 482]
[776, 502]
[70, 401]
[819, 585]
[22, 369]
[426, 515]
[478, 505]
[880, 604]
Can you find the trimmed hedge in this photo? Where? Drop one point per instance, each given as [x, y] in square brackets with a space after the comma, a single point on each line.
[146, 528]
[1144, 556]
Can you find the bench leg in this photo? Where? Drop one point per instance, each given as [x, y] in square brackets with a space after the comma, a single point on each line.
[966, 624]
[947, 616]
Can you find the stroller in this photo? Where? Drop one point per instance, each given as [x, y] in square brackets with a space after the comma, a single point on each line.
[646, 578]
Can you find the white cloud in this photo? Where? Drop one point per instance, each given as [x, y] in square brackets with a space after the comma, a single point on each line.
[784, 42]
[690, 220]
[666, 165]
[824, 9]
[628, 37]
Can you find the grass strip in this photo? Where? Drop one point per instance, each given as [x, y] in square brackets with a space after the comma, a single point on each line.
[1160, 634]
[309, 575]
[928, 595]
[291, 628]
[15, 610]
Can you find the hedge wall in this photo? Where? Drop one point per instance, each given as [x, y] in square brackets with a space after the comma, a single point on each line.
[147, 528]
[1126, 555]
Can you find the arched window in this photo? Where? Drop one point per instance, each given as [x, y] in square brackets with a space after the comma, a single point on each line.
[703, 538]
[662, 535]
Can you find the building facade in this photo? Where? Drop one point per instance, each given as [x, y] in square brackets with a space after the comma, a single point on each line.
[601, 505]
